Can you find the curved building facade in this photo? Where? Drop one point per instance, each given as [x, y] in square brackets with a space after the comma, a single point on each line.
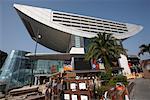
[67, 32]
[16, 70]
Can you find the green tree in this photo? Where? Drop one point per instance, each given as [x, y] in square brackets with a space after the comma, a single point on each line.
[144, 48]
[104, 46]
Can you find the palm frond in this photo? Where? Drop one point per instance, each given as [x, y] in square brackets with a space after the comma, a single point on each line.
[103, 46]
[143, 49]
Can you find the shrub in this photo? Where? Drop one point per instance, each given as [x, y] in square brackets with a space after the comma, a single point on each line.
[121, 78]
[109, 82]
[106, 76]
[101, 90]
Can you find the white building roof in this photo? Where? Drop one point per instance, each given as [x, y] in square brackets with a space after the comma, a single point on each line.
[56, 27]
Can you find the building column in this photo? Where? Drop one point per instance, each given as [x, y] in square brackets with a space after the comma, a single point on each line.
[35, 80]
[72, 62]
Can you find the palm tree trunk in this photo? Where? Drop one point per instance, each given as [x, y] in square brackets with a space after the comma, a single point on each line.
[106, 62]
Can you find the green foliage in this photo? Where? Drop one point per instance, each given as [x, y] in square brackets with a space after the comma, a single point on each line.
[104, 46]
[106, 76]
[101, 90]
[120, 78]
[110, 82]
[144, 48]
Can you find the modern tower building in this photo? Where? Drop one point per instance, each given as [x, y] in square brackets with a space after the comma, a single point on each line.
[69, 33]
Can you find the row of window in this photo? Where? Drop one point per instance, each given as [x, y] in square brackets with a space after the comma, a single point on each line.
[95, 22]
[96, 30]
[108, 31]
[85, 27]
[67, 23]
[77, 16]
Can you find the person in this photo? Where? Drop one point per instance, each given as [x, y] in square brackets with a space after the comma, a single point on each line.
[60, 89]
[47, 92]
[120, 89]
[91, 87]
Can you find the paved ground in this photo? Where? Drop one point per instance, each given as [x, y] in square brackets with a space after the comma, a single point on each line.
[141, 90]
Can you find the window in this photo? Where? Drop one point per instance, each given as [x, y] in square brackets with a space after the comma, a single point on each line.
[77, 41]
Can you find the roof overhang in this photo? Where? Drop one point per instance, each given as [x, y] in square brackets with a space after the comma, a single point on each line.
[52, 56]
[51, 38]
[54, 35]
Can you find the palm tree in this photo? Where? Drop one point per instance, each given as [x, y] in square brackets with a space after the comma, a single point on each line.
[104, 46]
[144, 48]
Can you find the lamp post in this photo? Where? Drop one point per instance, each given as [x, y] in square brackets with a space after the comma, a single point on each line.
[38, 36]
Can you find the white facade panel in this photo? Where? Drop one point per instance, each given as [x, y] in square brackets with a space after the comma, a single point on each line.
[75, 50]
[123, 63]
[45, 16]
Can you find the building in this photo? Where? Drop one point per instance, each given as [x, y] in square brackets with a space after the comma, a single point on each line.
[16, 70]
[44, 68]
[69, 33]
[3, 56]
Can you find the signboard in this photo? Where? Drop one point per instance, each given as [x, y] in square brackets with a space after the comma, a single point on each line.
[74, 97]
[73, 86]
[97, 64]
[53, 69]
[68, 68]
[84, 97]
[82, 86]
[66, 96]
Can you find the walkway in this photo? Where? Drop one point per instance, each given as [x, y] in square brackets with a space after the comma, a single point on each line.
[141, 90]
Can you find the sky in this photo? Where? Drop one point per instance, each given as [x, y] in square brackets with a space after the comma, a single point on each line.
[14, 36]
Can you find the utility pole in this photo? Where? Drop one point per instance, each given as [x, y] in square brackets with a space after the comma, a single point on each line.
[38, 36]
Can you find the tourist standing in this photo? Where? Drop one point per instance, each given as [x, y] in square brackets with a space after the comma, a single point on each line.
[47, 92]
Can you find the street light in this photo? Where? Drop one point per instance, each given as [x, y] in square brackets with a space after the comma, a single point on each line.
[38, 36]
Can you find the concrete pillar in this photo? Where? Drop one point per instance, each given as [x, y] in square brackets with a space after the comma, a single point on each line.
[35, 80]
[72, 62]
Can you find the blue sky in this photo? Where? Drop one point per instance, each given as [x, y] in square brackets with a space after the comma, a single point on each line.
[13, 34]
